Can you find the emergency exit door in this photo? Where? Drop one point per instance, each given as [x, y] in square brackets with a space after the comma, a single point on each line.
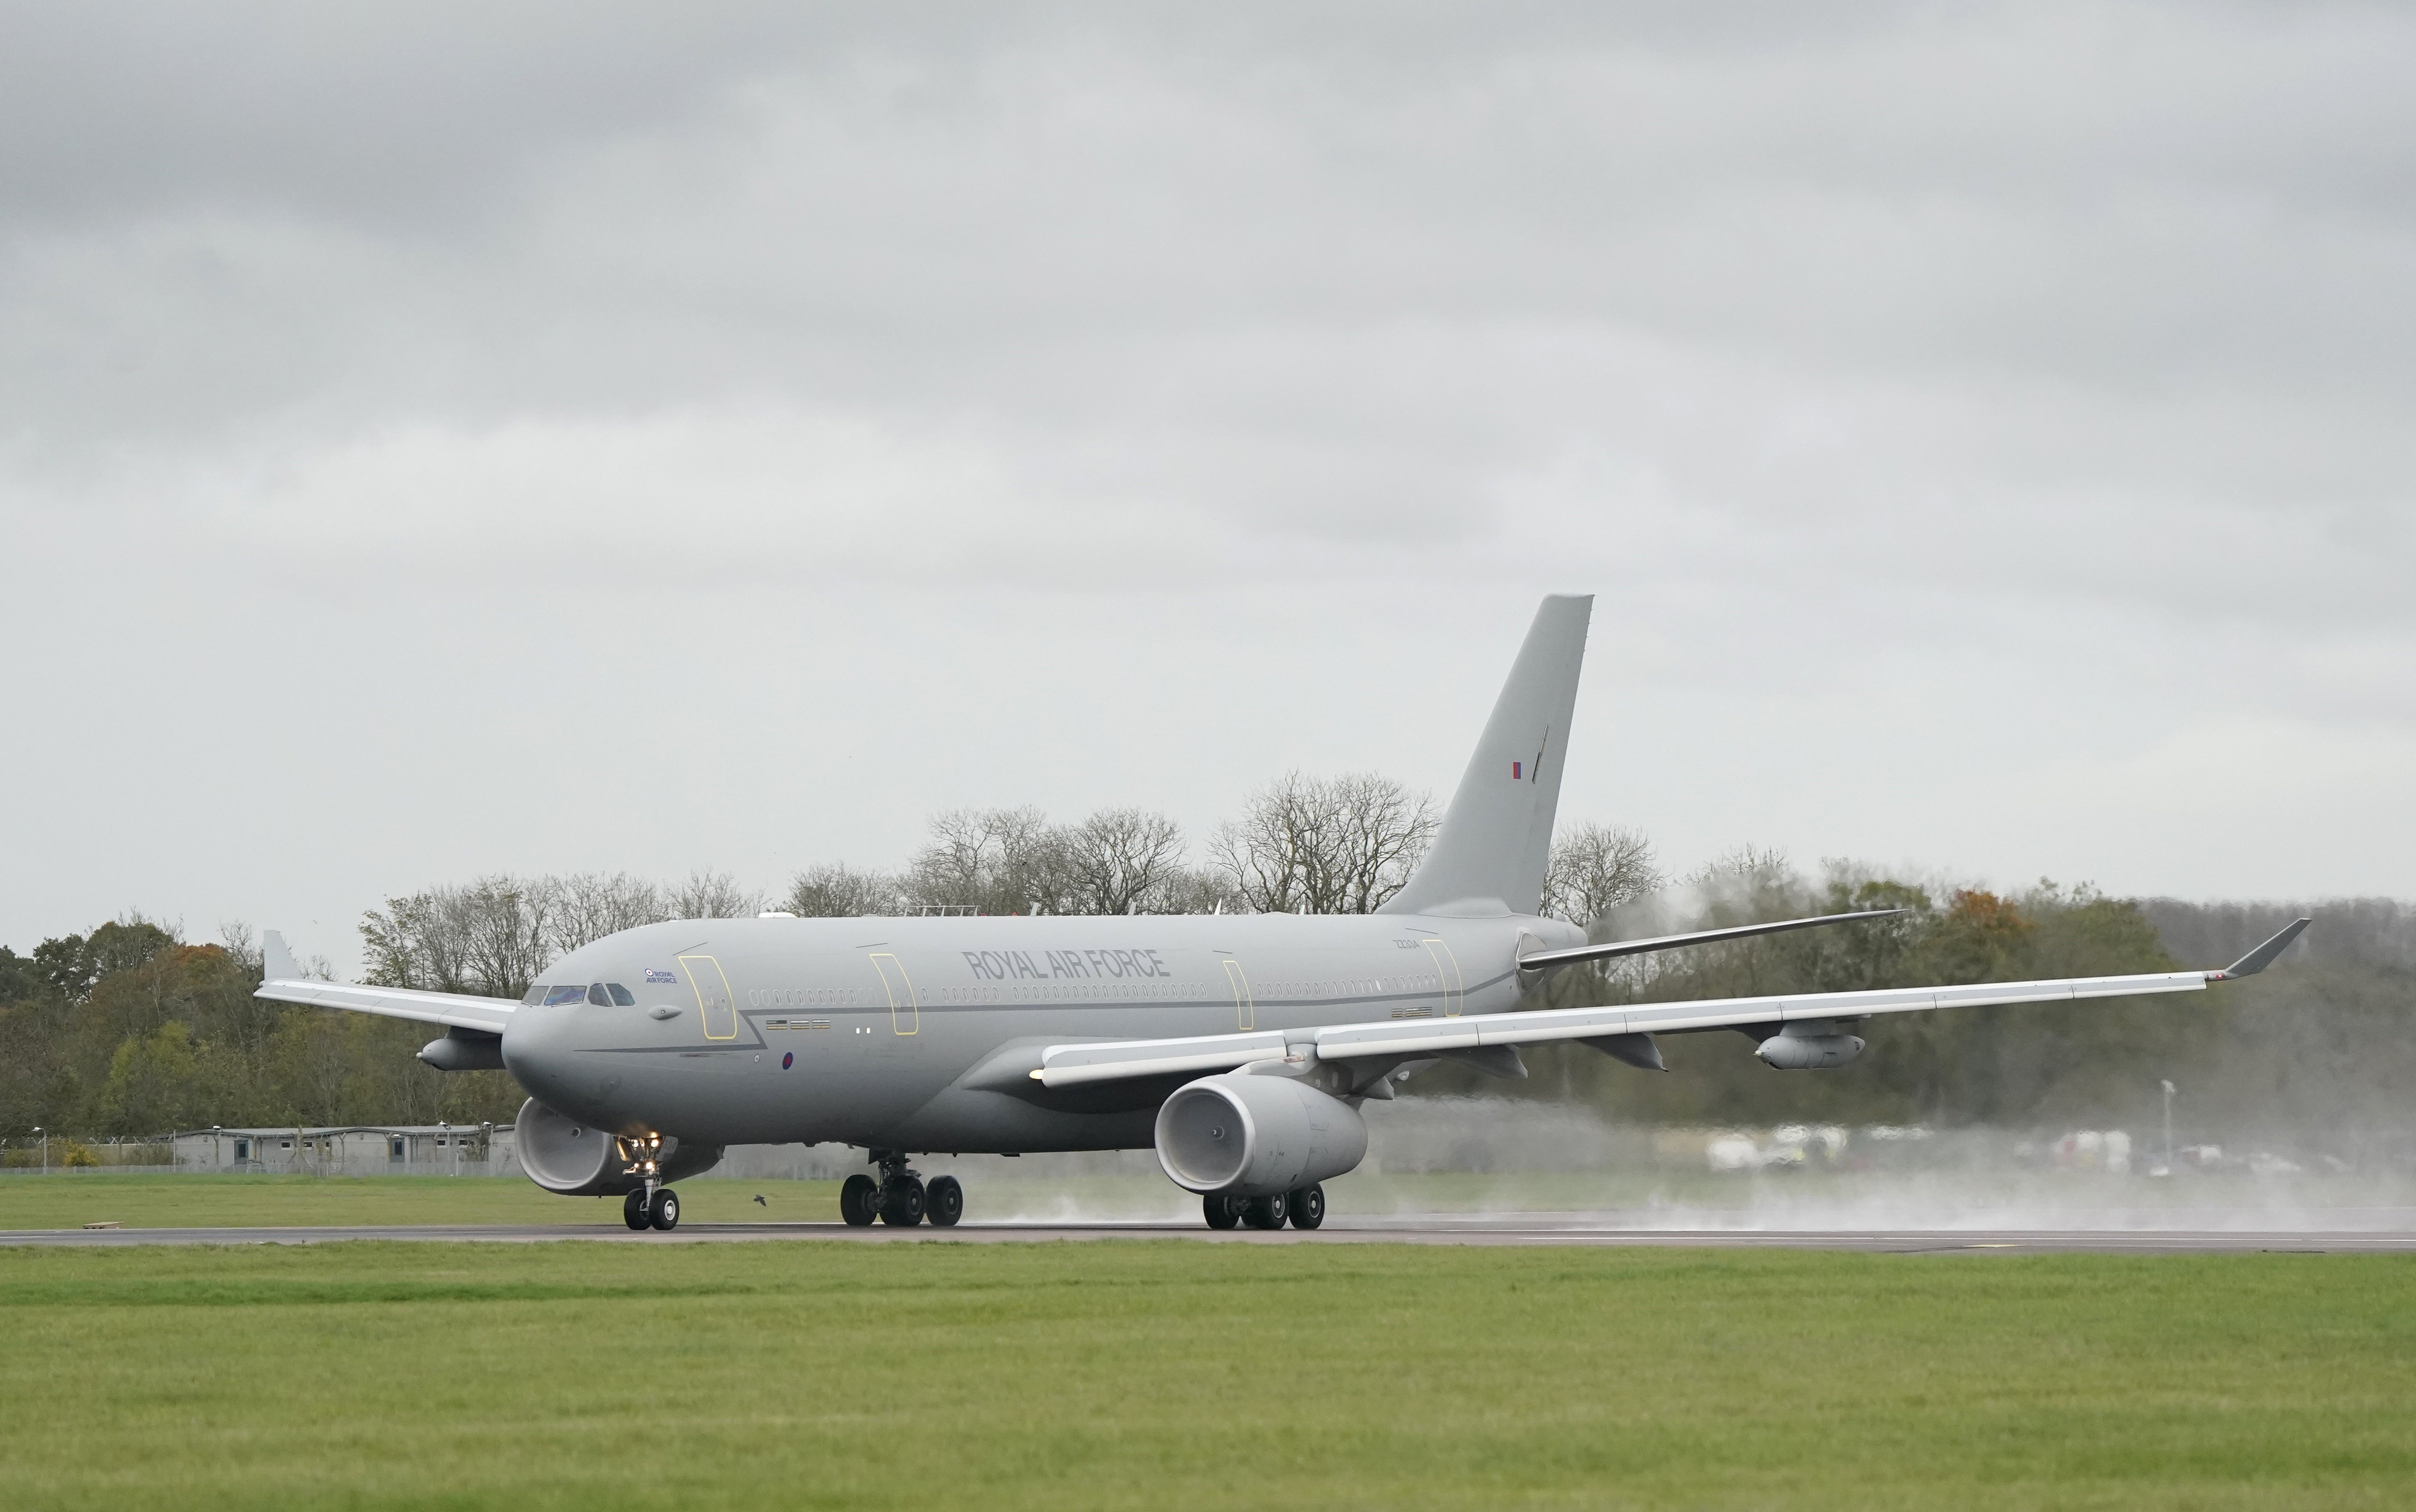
[905, 1010]
[716, 1006]
[1446, 975]
[1245, 1010]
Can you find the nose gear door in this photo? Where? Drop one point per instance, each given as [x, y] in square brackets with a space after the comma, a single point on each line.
[716, 1006]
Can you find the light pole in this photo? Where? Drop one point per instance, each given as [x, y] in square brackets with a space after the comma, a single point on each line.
[442, 1128]
[46, 1148]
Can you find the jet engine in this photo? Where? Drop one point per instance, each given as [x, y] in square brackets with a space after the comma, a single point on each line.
[1241, 1135]
[1808, 1051]
[564, 1156]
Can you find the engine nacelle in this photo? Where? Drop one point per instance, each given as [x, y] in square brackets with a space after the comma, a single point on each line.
[564, 1156]
[1239, 1135]
[1808, 1051]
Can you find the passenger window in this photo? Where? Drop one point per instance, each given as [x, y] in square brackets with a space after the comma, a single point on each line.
[620, 994]
[597, 995]
[555, 997]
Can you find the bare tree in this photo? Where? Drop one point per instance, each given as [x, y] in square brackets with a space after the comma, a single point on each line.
[1595, 868]
[993, 860]
[589, 905]
[1119, 860]
[505, 921]
[491, 939]
[837, 891]
[712, 895]
[1325, 845]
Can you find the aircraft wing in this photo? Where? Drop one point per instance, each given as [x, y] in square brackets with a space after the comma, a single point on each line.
[286, 984]
[1409, 1038]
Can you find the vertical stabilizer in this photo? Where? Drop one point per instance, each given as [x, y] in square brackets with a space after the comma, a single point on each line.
[1496, 835]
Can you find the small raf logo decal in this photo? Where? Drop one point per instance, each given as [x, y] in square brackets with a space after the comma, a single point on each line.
[788, 1060]
[653, 976]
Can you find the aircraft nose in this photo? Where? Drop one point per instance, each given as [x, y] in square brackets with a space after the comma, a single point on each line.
[536, 1046]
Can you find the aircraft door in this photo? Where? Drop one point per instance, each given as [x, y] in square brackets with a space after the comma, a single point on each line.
[1244, 1008]
[1446, 974]
[716, 1006]
[905, 1010]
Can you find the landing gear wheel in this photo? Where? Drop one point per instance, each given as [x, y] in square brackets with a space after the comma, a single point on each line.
[859, 1201]
[943, 1202]
[1266, 1212]
[1308, 1204]
[1223, 1212]
[633, 1209]
[902, 1202]
[662, 1209]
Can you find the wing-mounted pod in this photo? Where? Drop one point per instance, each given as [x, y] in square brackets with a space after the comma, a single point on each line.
[571, 1160]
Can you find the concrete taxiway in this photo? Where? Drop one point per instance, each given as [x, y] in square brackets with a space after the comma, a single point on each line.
[1487, 1229]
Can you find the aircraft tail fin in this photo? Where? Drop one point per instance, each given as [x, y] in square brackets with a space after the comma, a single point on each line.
[1496, 835]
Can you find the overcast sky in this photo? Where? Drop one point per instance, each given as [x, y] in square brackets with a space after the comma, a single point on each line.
[439, 439]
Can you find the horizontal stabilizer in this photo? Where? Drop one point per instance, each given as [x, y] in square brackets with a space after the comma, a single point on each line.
[1542, 959]
[2263, 956]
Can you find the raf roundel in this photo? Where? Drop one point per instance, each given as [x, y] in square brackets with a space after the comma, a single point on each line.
[788, 1059]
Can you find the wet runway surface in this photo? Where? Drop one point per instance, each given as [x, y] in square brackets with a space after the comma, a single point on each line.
[1574, 1229]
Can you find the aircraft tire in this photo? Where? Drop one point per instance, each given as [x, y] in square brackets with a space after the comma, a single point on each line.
[943, 1202]
[1266, 1212]
[902, 1202]
[1308, 1204]
[633, 1209]
[859, 1201]
[663, 1212]
[1223, 1212]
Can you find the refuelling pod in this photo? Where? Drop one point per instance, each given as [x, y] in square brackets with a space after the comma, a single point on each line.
[464, 1050]
[1808, 1051]
[564, 1156]
[1239, 1136]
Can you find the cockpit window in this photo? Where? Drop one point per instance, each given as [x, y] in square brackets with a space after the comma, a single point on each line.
[620, 994]
[535, 995]
[597, 995]
[554, 995]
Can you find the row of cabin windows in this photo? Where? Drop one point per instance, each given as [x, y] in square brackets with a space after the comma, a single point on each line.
[601, 994]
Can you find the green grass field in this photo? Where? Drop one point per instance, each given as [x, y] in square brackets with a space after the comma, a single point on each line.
[172, 1202]
[1171, 1374]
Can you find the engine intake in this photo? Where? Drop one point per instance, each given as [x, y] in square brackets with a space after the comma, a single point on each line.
[1241, 1135]
[564, 1156]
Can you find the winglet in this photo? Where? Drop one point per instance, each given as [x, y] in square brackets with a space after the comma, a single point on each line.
[2261, 957]
[277, 963]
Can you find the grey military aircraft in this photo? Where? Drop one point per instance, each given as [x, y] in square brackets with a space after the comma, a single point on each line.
[1240, 1047]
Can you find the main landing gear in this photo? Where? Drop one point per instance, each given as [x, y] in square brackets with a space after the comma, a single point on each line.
[1303, 1207]
[900, 1197]
[651, 1208]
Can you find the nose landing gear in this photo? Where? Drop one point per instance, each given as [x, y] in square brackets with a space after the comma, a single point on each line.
[652, 1207]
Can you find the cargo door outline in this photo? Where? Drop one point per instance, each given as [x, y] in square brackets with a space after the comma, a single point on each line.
[1446, 974]
[716, 1006]
[905, 1008]
[1245, 1008]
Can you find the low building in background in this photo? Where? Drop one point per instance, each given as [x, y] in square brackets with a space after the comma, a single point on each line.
[353, 1150]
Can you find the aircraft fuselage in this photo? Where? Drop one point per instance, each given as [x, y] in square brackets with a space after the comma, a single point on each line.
[921, 1033]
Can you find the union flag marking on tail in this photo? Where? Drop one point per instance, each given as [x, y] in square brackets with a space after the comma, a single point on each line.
[1516, 769]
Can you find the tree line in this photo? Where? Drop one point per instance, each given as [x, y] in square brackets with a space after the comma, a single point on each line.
[131, 1030]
